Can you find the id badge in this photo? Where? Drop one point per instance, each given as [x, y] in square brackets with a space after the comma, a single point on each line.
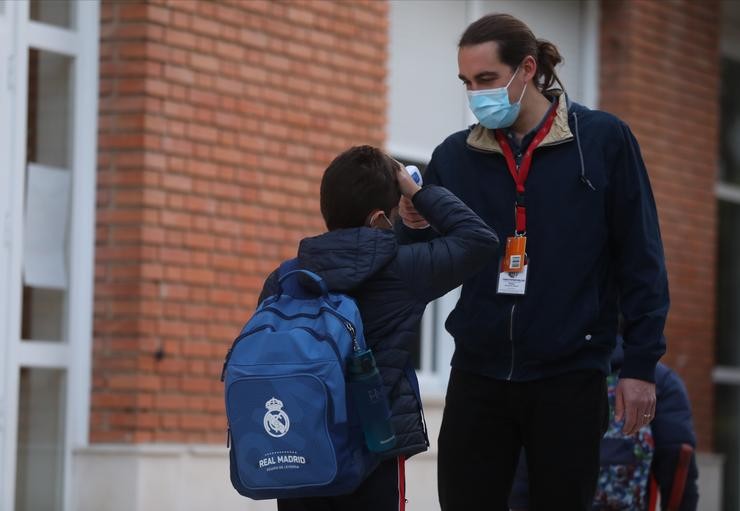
[515, 255]
[513, 283]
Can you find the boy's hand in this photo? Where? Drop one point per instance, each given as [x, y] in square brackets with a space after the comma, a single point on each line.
[411, 218]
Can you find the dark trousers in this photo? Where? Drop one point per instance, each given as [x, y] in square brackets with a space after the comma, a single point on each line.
[383, 490]
[559, 421]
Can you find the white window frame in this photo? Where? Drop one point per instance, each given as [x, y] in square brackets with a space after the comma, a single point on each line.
[73, 356]
[6, 83]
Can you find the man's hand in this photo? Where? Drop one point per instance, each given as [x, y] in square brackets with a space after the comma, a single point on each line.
[407, 185]
[411, 218]
[635, 403]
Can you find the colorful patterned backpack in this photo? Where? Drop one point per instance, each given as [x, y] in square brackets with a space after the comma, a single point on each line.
[624, 475]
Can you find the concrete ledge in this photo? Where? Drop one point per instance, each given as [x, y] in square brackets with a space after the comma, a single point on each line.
[153, 477]
[156, 477]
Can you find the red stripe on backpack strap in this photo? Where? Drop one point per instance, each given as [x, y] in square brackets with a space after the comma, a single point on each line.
[401, 483]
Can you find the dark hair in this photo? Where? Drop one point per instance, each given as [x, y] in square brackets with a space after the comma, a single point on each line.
[358, 181]
[515, 42]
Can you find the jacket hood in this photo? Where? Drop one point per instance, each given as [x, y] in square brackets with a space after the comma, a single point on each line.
[346, 258]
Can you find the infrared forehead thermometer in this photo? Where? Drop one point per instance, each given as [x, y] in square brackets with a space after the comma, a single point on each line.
[415, 174]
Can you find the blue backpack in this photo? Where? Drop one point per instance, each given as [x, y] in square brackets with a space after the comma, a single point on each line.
[293, 429]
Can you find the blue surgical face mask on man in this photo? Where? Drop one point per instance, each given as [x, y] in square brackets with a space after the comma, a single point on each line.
[492, 107]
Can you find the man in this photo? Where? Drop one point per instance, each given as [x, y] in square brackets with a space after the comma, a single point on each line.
[534, 330]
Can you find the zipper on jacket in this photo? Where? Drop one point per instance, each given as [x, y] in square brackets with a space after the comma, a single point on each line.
[511, 339]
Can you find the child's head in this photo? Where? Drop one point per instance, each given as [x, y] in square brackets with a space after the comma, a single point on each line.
[358, 183]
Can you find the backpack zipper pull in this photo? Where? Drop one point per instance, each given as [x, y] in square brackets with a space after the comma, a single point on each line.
[351, 329]
[228, 437]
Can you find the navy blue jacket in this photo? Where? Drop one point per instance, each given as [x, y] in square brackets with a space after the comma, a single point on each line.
[392, 285]
[671, 427]
[593, 242]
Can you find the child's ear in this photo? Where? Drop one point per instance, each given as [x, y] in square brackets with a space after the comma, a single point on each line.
[377, 219]
[372, 218]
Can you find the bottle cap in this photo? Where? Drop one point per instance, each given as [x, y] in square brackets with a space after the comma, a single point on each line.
[362, 363]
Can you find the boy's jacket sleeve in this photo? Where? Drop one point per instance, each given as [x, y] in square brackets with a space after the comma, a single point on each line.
[465, 244]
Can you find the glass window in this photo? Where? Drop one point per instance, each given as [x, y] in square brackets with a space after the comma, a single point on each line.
[50, 127]
[48, 189]
[2, 7]
[728, 285]
[53, 12]
[730, 122]
[43, 314]
[39, 466]
[727, 441]
[727, 417]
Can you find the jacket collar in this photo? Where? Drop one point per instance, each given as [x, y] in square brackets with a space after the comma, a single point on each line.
[483, 139]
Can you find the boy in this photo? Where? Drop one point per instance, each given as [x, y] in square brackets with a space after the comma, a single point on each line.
[392, 285]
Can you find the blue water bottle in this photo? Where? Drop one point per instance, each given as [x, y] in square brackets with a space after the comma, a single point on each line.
[371, 402]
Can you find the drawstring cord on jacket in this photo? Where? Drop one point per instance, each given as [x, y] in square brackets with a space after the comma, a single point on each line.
[584, 179]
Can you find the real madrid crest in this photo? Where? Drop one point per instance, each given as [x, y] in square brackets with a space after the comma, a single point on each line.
[276, 421]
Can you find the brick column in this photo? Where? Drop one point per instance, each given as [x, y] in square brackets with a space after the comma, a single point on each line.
[216, 122]
[660, 73]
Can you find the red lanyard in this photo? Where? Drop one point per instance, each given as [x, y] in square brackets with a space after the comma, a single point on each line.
[521, 172]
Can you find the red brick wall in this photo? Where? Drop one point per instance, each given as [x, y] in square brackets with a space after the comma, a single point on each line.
[660, 73]
[216, 122]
